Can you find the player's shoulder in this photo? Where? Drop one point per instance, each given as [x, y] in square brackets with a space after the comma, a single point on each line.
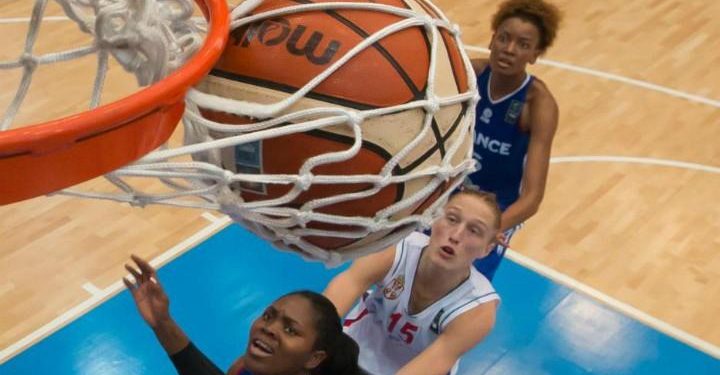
[540, 96]
[416, 239]
[540, 90]
[479, 64]
[481, 285]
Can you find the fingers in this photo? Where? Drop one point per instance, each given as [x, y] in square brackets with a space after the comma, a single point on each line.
[134, 273]
[147, 270]
[129, 285]
[142, 274]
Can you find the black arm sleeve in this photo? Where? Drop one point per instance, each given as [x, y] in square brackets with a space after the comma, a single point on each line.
[191, 361]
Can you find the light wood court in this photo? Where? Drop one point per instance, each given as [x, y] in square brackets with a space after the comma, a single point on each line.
[645, 234]
[54, 248]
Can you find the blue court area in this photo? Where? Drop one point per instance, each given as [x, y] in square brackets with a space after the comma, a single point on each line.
[218, 288]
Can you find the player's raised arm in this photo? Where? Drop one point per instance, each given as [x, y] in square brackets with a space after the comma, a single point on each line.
[347, 287]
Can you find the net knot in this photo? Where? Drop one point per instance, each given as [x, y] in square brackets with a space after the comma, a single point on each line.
[444, 173]
[355, 118]
[29, 61]
[384, 180]
[305, 181]
[476, 98]
[140, 201]
[377, 225]
[227, 177]
[455, 29]
[432, 105]
[333, 259]
[302, 217]
[426, 20]
[291, 239]
[230, 203]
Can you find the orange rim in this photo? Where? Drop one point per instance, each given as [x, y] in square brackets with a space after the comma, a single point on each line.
[47, 157]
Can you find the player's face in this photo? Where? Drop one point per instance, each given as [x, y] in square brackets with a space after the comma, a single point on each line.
[463, 233]
[513, 46]
[282, 339]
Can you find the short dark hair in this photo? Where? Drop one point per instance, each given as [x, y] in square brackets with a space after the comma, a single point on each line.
[544, 15]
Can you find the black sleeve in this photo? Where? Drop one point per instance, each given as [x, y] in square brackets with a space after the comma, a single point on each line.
[191, 361]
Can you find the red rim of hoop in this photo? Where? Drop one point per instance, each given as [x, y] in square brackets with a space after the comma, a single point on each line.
[50, 156]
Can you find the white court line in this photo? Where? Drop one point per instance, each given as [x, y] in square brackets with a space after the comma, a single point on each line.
[99, 296]
[47, 329]
[212, 218]
[27, 19]
[216, 223]
[557, 64]
[92, 289]
[622, 307]
[574, 284]
[619, 78]
[634, 160]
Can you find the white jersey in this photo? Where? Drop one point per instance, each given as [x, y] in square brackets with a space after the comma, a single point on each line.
[389, 337]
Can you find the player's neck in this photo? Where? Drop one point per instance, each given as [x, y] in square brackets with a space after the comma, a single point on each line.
[240, 369]
[433, 281]
[501, 85]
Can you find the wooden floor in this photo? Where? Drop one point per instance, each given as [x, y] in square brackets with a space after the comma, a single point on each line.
[645, 234]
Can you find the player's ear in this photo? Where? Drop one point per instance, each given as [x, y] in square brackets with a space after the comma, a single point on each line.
[537, 52]
[315, 359]
[492, 41]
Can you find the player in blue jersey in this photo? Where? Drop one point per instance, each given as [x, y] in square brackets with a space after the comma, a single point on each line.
[516, 118]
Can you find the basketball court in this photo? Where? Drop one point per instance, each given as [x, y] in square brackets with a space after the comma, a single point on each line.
[628, 230]
[543, 327]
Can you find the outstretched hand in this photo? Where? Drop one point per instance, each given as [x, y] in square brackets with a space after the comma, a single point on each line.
[501, 240]
[150, 298]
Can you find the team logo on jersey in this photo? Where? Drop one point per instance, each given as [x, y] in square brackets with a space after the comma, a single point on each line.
[513, 112]
[397, 285]
[486, 114]
[435, 325]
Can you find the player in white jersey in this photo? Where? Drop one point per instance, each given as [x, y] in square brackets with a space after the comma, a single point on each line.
[429, 305]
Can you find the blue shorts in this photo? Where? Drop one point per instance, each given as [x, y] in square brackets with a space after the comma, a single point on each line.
[490, 263]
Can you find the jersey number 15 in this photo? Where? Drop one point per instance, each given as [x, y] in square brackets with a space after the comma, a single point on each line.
[407, 330]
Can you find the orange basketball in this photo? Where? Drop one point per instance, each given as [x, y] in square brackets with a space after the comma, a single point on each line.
[272, 58]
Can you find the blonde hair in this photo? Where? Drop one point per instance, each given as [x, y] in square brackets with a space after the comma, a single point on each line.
[489, 198]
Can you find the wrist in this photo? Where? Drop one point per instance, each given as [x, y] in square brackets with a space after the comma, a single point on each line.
[164, 324]
[170, 335]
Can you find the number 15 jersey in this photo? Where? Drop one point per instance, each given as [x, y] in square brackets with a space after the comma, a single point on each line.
[388, 335]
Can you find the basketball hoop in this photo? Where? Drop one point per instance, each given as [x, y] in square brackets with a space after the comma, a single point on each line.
[329, 205]
[359, 167]
[47, 157]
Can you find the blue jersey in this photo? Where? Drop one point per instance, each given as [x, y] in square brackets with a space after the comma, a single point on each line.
[500, 146]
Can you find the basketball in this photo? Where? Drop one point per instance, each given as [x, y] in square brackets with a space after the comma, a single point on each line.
[270, 59]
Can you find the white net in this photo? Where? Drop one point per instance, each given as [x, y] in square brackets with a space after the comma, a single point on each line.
[194, 175]
[150, 39]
